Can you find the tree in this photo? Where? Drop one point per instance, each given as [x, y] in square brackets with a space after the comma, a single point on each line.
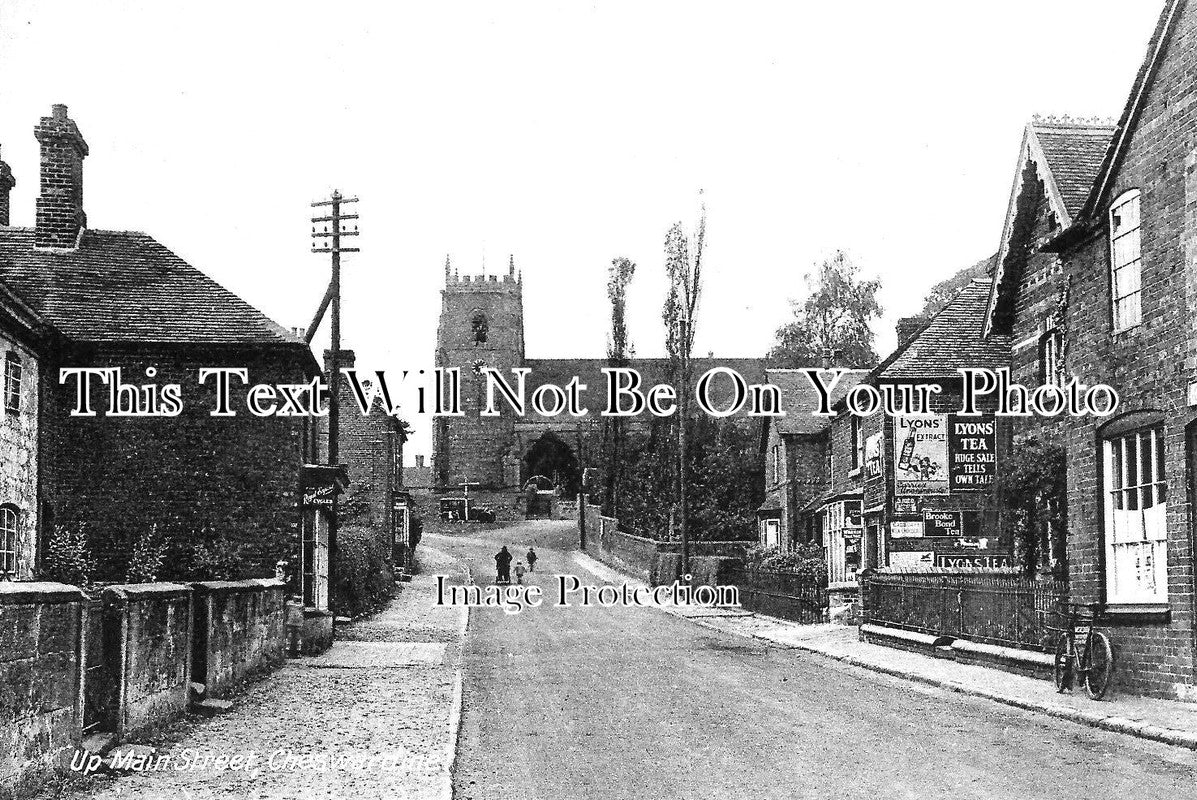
[833, 321]
[619, 353]
[681, 304]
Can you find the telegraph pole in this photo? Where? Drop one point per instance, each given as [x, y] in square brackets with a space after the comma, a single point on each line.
[327, 231]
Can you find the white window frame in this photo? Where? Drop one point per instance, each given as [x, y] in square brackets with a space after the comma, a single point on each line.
[10, 527]
[771, 529]
[1126, 261]
[1135, 489]
[1049, 358]
[14, 371]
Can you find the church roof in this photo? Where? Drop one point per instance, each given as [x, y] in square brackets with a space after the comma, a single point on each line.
[652, 371]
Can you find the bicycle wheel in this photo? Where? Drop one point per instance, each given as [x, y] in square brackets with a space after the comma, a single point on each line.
[1062, 666]
[1099, 666]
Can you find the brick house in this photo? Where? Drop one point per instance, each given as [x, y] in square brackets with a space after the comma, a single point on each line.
[1058, 161]
[1128, 257]
[371, 447]
[218, 491]
[795, 452]
[902, 493]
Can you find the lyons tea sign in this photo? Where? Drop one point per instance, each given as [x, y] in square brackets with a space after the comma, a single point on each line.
[936, 454]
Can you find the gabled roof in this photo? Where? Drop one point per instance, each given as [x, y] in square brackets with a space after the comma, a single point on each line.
[124, 287]
[1165, 27]
[952, 339]
[1066, 155]
[800, 399]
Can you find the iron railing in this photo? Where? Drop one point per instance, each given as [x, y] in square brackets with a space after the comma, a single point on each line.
[788, 595]
[1011, 610]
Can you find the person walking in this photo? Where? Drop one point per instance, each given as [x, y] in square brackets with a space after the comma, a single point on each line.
[503, 565]
[519, 572]
[531, 559]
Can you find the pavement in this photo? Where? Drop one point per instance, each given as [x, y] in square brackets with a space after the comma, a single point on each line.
[373, 717]
[630, 702]
[1170, 722]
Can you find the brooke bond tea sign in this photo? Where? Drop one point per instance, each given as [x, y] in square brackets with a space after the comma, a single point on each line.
[972, 443]
[921, 454]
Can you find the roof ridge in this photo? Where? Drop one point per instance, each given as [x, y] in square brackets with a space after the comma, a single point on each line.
[1094, 124]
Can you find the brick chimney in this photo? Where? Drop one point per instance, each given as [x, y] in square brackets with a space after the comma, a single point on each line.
[60, 217]
[419, 462]
[7, 181]
[908, 327]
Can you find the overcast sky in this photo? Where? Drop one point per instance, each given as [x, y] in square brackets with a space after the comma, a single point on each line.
[563, 133]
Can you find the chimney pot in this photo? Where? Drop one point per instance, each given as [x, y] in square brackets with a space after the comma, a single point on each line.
[59, 111]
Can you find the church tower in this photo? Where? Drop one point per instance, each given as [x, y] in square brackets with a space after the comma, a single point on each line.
[481, 324]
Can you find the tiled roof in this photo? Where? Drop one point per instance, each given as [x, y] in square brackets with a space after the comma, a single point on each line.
[952, 339]
[417, 477]
[800, 399]
[1074, 152]
[125, 287]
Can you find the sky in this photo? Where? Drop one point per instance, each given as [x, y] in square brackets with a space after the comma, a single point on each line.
[565, 134]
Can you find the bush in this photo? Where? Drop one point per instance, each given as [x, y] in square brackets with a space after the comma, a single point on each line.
[217, 560]
[806, 559]
[145, 563]
[68, 557]
[364, 576]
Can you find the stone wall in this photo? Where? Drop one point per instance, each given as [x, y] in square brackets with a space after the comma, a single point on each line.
[239, 632]
[40, 682]
[153, 662]
[647, 559]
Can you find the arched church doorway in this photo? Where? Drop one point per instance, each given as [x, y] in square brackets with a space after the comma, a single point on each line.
[550, 457]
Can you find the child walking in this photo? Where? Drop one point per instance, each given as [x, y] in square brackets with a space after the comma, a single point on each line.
[519, 572]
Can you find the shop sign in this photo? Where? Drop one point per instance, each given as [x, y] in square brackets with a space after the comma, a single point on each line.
[955, 560]
[906, 529]
[972, 442]
[912, 560]
[319, 495]
[921, 454]
[873, 456]
[942, 523]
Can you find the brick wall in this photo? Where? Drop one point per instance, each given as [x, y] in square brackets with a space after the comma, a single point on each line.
[1150, 365]
[40, 682]
[201, 480]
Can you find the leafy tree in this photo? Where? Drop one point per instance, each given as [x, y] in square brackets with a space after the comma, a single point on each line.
[619, 353]
[834, 319]
[1033, 486]
[683, 267]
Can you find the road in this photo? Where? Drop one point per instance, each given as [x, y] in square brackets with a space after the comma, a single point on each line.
[634, 703]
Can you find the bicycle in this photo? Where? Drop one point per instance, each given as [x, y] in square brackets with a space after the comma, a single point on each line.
[1084, 652]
